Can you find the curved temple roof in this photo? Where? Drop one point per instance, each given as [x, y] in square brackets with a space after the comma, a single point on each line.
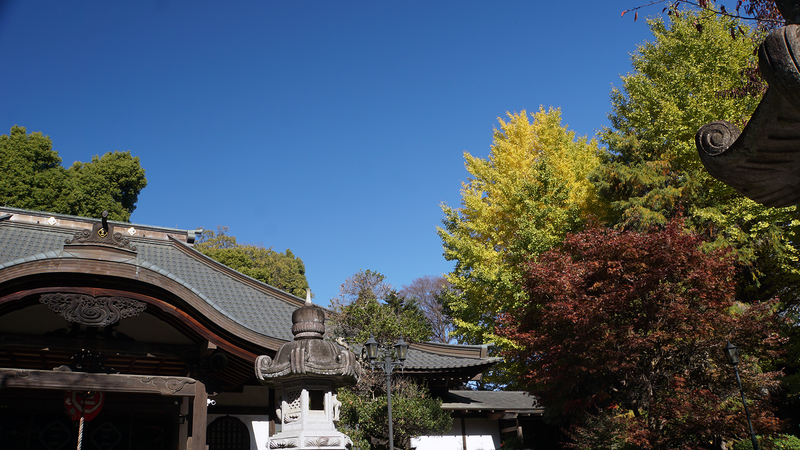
[34, 242]
[762, 162]
[27, 237]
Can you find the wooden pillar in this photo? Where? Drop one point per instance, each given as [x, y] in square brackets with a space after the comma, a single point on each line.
[183, 429]
[199, 417]
[463, 433]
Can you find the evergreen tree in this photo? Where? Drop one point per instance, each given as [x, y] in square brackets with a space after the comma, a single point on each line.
[284, 271]
[32, 177]
[691, 74]
[368, 306]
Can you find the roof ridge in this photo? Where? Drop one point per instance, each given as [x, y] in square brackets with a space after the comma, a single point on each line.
[46, 214]
[70, 223]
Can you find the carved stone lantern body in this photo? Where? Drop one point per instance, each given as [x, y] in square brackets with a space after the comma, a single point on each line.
[305, 375]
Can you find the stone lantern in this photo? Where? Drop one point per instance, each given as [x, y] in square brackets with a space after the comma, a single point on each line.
[305, 374]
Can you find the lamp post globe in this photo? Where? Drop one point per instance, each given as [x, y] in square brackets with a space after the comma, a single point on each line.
[733, 353]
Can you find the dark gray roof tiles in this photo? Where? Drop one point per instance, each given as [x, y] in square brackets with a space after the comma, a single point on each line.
[517, 401]
[238, 297]
[238, 300]
[421, 358]
[436, 357]
[20, 241]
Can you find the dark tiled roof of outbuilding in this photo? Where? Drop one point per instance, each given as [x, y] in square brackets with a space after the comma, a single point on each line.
[246, 301]
[512, 401]
[434, 356]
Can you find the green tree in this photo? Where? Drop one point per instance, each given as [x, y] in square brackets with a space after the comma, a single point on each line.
[415, 412]
[367, 305]
[32, 175]
[521, 200]
[33, 178]
[111, 182]
[284, 271]
[686, 77]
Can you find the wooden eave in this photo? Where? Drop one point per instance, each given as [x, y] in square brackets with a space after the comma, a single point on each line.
[17, 282]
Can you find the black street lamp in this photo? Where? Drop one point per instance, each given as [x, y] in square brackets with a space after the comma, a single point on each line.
[733, 357]
[388, 364]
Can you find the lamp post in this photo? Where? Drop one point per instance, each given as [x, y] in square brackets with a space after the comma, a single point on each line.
[733, 359]
[388, 364]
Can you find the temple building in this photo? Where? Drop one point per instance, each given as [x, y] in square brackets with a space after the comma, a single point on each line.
[154, 345]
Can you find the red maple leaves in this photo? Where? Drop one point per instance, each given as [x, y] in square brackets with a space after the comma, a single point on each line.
[628, 328]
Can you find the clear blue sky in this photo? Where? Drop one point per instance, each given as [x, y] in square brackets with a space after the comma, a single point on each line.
[332, 128]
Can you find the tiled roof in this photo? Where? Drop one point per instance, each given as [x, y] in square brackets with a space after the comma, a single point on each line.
[435, 357]
[512, 401]
[432, 356]
[27, 236]
[246, 301]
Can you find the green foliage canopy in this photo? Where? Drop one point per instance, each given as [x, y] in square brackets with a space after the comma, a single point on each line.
[414, 412]
[367, 305]
[284, 271]
[680, 81]
[33, 178]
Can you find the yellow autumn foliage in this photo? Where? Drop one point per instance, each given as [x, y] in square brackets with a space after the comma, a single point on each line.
[521, 200]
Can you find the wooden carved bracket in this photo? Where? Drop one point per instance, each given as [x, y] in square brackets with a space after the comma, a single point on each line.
[90, 311]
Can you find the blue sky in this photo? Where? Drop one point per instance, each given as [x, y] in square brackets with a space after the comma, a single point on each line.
[332, 128]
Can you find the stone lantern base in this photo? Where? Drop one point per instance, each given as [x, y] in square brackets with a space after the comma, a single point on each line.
[310, 440]
[308, 409]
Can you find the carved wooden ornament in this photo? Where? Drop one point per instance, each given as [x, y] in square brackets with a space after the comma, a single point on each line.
[90, 311]
[762, 162]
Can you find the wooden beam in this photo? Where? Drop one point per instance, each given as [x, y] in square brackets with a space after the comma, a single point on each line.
[14, 342]
[81, 381]
[196, 313]
[207, 348]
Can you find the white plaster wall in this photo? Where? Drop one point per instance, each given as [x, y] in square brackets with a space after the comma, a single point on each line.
[482, 434]
[258, 426]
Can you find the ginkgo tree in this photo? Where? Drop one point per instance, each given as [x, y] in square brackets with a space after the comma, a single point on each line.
[520, 200]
